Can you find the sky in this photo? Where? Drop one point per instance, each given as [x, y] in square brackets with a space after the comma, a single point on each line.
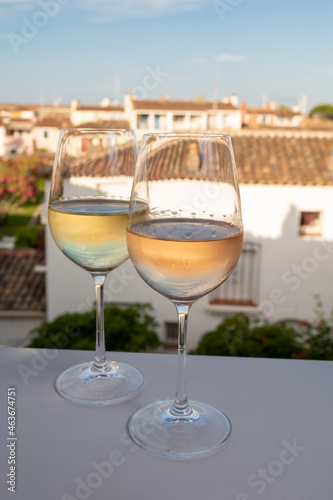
[261, 50]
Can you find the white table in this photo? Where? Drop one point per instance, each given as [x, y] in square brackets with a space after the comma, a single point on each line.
[281, 446]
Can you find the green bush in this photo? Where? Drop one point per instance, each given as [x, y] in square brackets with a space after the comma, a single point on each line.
[317, 336]
[28, 237]
[130, 329]
[238, 336]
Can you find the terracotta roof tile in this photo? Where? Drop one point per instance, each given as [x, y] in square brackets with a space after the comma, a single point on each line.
[285, 159]
[280, 159]
[167, 105]
[105, 124]
[114, 107]
[21, 287]
[271, 159]
[277, 112]
[52, 122]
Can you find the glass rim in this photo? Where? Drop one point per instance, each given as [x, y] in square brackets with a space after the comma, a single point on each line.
[96, 130]
[202, 135]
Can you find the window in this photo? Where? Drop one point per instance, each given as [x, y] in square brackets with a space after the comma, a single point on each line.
[178, 122]
[160, 122]
[157, 121]
[85, 144]
[142, 121]
[242, 286]
[195, 122]
[171, 333]
[310, 224]
[46, 134]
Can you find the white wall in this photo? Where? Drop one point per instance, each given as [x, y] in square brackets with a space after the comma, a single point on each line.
[48, 143]
[293, 268]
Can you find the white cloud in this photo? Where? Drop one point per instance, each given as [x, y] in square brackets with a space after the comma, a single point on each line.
[110, 10]
[229, 58]
[106, 10]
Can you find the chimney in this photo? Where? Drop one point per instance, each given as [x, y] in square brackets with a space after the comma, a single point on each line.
[234, 100]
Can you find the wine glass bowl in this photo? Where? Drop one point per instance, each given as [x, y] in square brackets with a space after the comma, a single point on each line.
[184, 238]
[87, 214]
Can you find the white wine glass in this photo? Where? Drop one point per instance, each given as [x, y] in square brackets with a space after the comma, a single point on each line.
[184, 237]
[88, 211]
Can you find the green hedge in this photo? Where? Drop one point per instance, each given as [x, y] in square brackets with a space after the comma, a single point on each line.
[238, 336]
[130, 329]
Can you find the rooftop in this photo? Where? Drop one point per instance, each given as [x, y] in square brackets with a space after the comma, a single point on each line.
[22, 287]
[284, 159]
[93, 107]
[105, 124]
[194, 105]
[52, 123]
[280, 159]
[277, 112]
[261, 158]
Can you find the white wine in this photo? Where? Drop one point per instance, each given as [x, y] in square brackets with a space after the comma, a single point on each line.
[184, 259]
[91, 231]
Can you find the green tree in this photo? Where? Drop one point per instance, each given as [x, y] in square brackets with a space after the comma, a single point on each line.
[323, 111]
[130, 329]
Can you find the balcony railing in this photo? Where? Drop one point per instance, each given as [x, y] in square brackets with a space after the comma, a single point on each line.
[242, 287]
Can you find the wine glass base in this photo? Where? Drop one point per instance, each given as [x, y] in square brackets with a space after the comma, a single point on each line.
[157, 430]
[81, 384]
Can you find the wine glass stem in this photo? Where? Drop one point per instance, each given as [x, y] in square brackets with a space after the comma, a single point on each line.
[180, 405]
[100, 364]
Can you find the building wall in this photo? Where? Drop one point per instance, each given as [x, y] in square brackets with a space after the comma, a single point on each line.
[191, 121]
[18, 143]
[48, 143]
[79, 117]
[293, 269]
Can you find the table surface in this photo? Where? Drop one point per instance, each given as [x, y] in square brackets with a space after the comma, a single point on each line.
[281, 446]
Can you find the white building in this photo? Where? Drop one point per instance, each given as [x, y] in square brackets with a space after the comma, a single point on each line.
[271, 116]
[286, 186]
[17, 138]
[106, 111]
[30, 128]
[45, 133]
[165, 115]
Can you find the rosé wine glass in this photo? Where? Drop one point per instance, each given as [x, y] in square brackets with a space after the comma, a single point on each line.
[184, 237]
